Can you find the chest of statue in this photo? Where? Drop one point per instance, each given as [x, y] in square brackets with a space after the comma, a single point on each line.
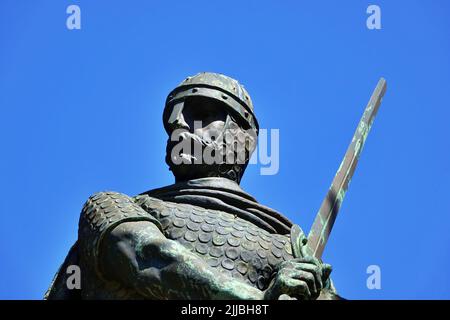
[226, 242]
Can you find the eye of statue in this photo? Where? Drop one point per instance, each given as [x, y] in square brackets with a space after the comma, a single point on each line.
[204, 110]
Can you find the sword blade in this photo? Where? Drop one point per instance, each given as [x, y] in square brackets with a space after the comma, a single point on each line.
[325, 218]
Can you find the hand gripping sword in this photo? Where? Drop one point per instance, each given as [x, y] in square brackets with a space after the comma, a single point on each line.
[314, 244]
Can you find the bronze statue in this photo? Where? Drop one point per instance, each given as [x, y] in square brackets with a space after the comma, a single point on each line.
[202, 237]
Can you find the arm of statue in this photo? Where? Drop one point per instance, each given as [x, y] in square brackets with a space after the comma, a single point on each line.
[139, 256]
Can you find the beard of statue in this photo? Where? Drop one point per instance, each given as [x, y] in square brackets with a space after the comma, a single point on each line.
[191, 156]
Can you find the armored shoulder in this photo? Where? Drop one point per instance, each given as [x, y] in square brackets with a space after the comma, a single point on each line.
[100, 214]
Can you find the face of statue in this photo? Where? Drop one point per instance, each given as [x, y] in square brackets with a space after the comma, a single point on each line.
[200, 141]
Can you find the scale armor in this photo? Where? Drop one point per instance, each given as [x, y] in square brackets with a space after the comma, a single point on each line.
[227, 243]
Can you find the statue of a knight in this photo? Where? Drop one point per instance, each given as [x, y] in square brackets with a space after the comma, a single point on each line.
[202, 237]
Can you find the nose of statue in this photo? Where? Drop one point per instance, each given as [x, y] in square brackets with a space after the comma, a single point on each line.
[178, 122]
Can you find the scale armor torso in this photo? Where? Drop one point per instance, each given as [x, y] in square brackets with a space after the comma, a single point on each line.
[226, 242]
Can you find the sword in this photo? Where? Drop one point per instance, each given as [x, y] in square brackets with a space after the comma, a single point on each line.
[314, 244]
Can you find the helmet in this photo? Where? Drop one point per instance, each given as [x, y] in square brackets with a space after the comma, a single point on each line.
[214, 86]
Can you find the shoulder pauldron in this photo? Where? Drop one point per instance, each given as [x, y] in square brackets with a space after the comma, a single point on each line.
[101, 213]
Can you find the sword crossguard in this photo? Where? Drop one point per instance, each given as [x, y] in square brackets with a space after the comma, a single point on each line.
[299, 241]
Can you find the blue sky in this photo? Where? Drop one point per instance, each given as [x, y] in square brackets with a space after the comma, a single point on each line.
[81, 112]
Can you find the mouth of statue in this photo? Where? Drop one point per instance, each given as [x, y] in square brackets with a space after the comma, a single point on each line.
[187, 158]
[188, 148]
